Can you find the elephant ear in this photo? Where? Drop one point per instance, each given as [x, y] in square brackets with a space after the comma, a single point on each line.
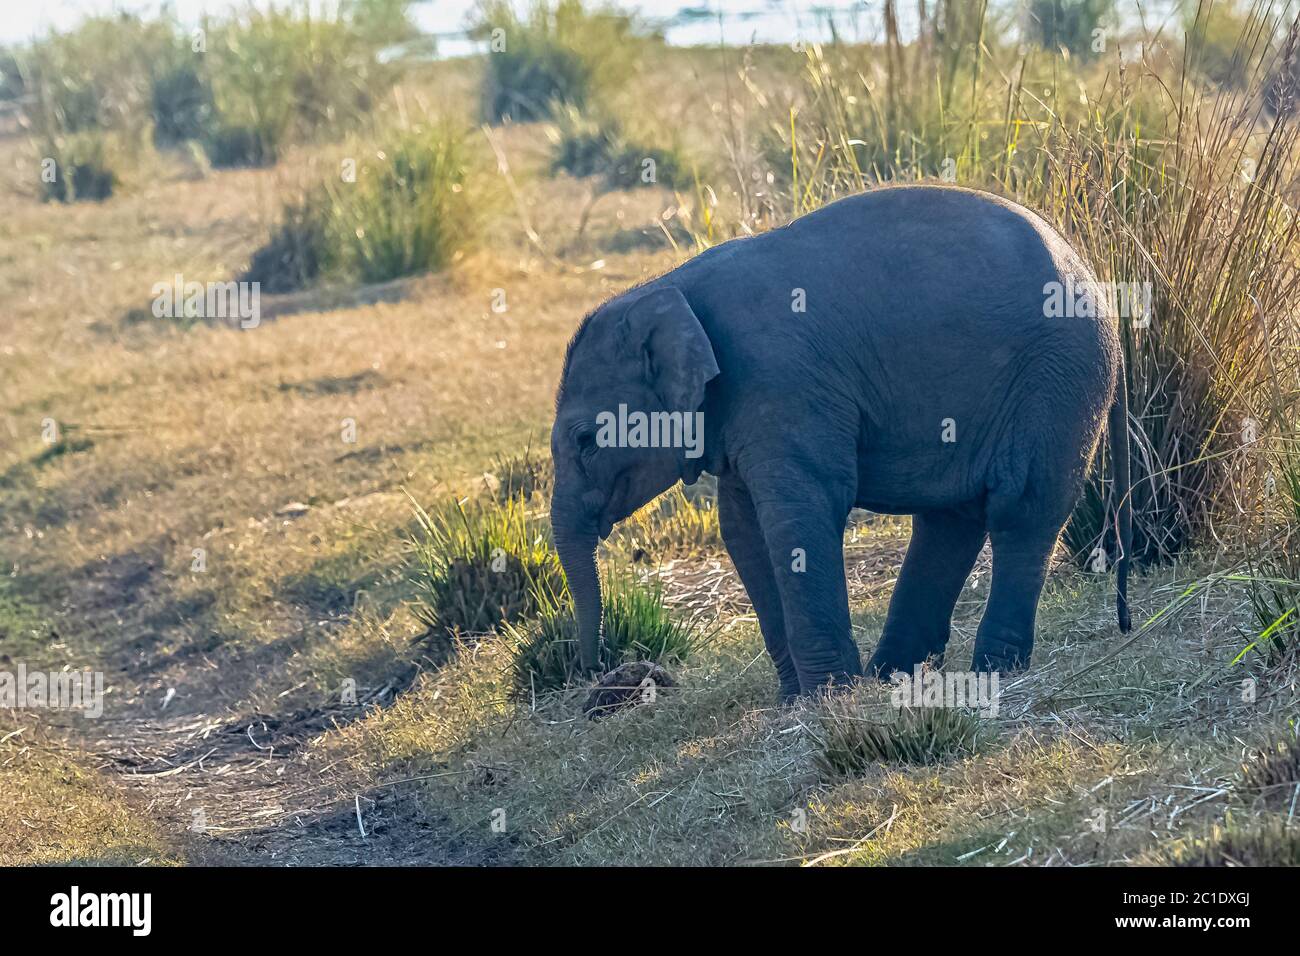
[676, 355]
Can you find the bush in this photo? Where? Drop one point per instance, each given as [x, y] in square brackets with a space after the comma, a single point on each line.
[409, 211]
[180, 92]
[93, 78]
[1067, 24]
[561, 54]
[87, 102]
[283, 75]
[582, 146]
[234, 147]
[260, 81]
[182, 105]
[85, 167]
[477, 566]
[849, 742]
[638, 625]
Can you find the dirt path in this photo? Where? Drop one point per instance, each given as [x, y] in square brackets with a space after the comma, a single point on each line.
[227, 786]
[251, 792]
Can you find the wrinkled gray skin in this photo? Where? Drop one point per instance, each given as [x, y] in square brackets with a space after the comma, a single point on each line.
[923, 304]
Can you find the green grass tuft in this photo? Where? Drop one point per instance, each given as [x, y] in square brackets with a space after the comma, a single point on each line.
[850, 741]
[679, 523]
[478, 565]
[638, 625]
[410, 212]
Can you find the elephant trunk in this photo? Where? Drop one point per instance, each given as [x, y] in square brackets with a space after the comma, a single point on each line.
[577, 553]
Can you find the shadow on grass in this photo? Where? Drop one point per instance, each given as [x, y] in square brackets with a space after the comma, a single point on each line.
[274, 306]
[337, 384]
[333, 586]
[400, 830]
[66, 445]
[375, 454]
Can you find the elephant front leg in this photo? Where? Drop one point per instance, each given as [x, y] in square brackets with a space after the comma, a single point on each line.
[804, 530]
[744, 540]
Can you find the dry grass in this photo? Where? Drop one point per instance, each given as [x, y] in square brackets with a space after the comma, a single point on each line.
[60, 809]
[1261, 843]
[61, 804]
[1097, 755]
[1273, 772]
[677, 524]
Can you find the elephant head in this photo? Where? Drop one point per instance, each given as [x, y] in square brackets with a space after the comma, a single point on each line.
[633, 382]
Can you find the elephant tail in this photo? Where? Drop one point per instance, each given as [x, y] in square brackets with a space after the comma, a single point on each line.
[1121, 491]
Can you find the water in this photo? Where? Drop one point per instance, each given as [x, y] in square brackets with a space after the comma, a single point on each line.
[684, 23]
[736, 22]
[742, 22]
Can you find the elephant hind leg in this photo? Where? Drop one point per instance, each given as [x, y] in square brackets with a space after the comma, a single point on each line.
[1005, 638]
[939, 558]
[1024, 525]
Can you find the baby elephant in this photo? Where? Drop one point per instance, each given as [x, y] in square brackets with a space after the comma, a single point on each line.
[921, 350]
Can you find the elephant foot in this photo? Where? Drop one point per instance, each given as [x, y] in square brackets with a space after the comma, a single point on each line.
[787, 680]
[833, 687]
[995, 654]
[885, 663]
[840, 675]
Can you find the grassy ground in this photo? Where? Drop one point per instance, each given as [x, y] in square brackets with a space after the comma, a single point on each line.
[226, 737]
[62, 804]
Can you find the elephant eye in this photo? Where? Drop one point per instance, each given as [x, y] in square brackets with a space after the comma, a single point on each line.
[586, 443]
